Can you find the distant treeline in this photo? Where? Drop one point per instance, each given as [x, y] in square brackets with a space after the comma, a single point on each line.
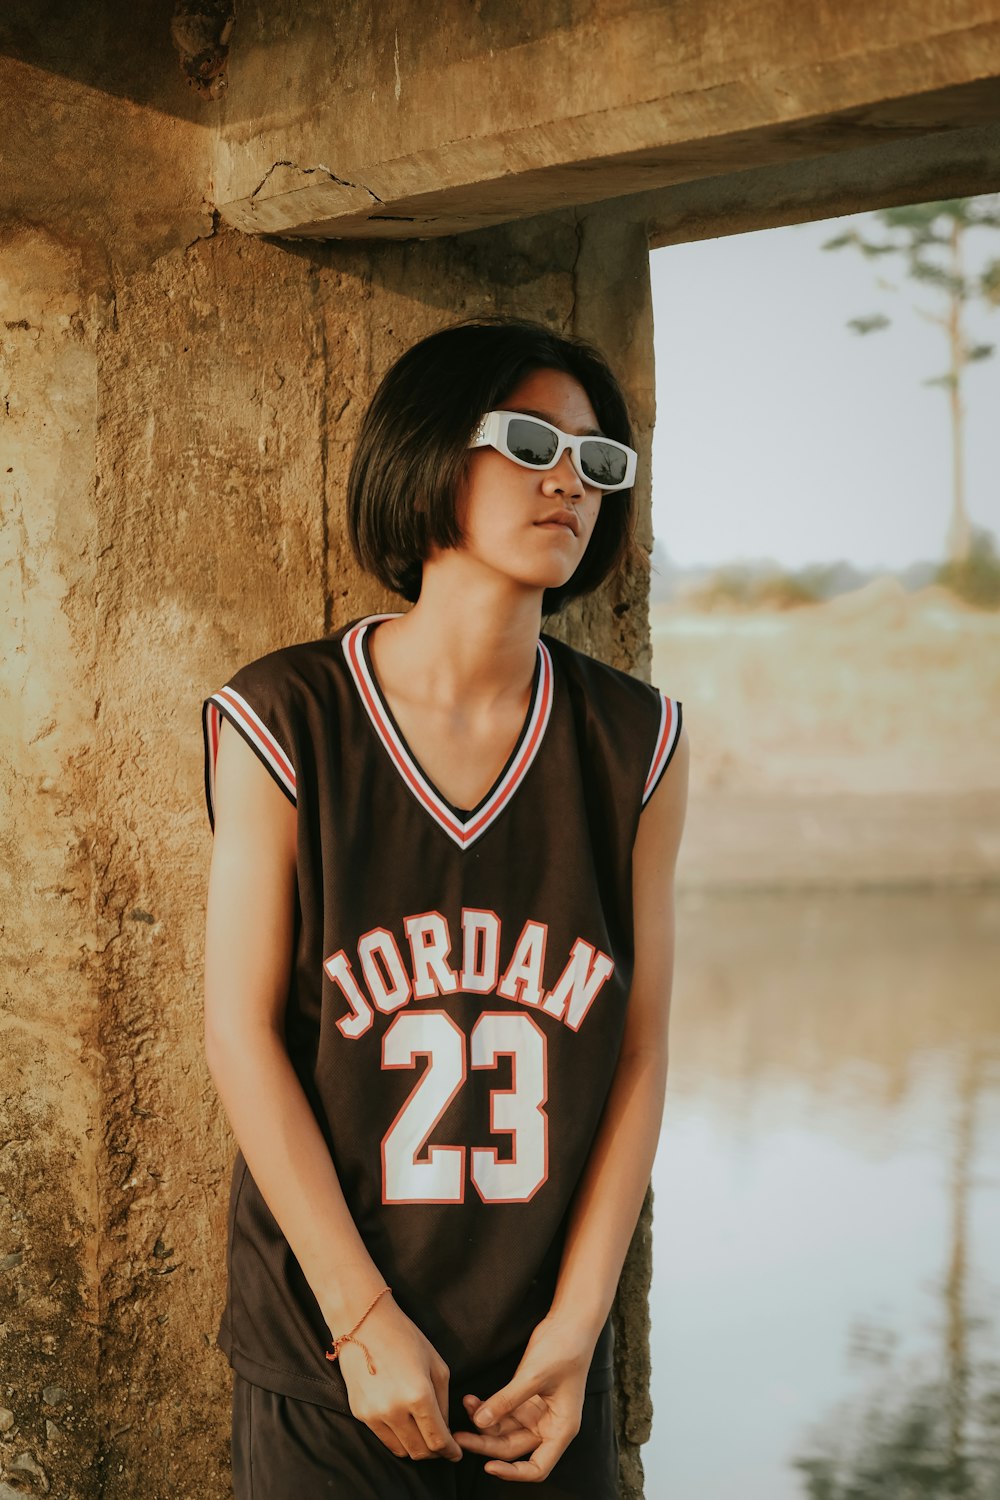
[763, 582]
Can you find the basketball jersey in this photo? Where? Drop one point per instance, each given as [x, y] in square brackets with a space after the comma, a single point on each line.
[456, 1001]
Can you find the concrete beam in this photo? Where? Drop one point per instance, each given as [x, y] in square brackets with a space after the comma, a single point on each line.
[607, 107]
[954, 163]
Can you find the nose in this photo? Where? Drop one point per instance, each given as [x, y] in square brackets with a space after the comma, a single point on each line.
[563, 478]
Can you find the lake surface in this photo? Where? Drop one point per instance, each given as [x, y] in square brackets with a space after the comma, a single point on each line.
[826, 1233]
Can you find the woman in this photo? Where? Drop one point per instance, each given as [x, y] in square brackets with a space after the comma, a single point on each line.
[439, 954]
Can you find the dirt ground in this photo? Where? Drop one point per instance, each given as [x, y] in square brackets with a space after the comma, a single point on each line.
[852, 742]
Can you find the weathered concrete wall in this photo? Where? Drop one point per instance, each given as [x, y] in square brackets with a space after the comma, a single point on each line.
[50, 1123]
[371, 122]
[211, 523]
[102, 142]
[496, 112]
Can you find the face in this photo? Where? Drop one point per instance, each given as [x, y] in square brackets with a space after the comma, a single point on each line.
[502, 509]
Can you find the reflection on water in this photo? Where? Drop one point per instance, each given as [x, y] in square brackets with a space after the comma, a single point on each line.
[826, 1231]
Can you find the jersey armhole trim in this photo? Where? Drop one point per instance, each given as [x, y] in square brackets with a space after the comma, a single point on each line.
[227, 703]
[667, 736]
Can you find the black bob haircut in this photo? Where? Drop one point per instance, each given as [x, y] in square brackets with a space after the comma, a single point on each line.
[412, 454]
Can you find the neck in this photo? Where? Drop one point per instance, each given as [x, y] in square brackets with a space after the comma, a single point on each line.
[461, 644]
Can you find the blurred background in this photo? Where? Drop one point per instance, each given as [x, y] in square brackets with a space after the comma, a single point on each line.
[826, 605]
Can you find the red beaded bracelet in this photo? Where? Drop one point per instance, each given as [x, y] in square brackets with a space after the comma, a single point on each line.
[348, 1338]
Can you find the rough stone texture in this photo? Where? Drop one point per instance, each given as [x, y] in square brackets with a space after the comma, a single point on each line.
[103, 142]
[49, 1112]
[210, 472]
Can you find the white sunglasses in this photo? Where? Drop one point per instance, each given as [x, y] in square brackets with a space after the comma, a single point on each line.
[534, 444]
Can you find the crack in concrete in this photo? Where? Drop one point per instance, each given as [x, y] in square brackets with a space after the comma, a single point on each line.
[216, 221]
[340, 181]
[324, 441]
[574, 270]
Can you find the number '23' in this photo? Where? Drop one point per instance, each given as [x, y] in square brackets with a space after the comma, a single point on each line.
[439, 1175]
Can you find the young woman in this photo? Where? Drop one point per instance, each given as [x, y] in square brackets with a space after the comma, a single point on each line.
[439, 955]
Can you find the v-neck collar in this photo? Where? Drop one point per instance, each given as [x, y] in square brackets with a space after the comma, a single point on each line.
[463, 827]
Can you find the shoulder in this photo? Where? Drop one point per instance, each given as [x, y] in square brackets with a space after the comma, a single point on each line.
[639, 718]
[292, 666]
[609, 688]
[275, 701]
[289, 685]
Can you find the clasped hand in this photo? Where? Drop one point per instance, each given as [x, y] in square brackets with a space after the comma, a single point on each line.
[405, 1403]
[538, 1412]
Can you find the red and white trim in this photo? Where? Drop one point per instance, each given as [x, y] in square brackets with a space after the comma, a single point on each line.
[666, 742]
[463, 834]
[227, 703]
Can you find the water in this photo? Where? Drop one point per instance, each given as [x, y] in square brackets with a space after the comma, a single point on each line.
[826, 1278]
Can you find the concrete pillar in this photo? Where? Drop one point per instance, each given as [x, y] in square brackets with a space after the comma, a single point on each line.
[52, 881]
[232, 380]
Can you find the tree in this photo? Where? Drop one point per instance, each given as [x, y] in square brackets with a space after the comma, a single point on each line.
[919, 232]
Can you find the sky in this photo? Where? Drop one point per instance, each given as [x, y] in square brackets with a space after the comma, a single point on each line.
[781, 433]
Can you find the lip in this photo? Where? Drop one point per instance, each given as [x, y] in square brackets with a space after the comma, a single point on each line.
[565, 518]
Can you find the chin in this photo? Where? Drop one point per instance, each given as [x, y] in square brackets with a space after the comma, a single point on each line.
[547, 573]
[534, 571]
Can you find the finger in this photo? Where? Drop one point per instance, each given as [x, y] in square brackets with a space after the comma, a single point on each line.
[472, 1405]
[530, 1470]
[385, 1435]
[503, 1401]
[409, 1434]
[440, 1384]
[510, 1423]
[530, 1412]
[434, 1433]
[506, 1445]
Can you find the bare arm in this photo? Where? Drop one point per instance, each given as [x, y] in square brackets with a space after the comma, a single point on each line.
[611, 1191]
[248, 957]
[539, 1410]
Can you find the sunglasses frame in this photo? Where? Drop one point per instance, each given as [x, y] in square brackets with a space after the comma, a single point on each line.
[491, 432]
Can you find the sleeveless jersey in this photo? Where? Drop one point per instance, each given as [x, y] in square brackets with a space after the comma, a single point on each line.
[456, 999]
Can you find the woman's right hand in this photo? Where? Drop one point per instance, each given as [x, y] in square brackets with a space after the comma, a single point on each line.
[405, 1403]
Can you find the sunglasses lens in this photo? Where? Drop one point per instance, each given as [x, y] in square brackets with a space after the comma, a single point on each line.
[603, 463]
[531, 442]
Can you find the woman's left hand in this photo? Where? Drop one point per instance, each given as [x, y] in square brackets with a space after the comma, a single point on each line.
[538, 1411]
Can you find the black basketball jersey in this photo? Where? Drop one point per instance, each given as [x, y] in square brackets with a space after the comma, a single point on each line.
[456, 1001]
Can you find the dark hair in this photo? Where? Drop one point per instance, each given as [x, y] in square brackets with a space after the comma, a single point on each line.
[412, 453]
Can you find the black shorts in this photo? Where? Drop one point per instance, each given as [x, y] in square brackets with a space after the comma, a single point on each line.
[286, 1449]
